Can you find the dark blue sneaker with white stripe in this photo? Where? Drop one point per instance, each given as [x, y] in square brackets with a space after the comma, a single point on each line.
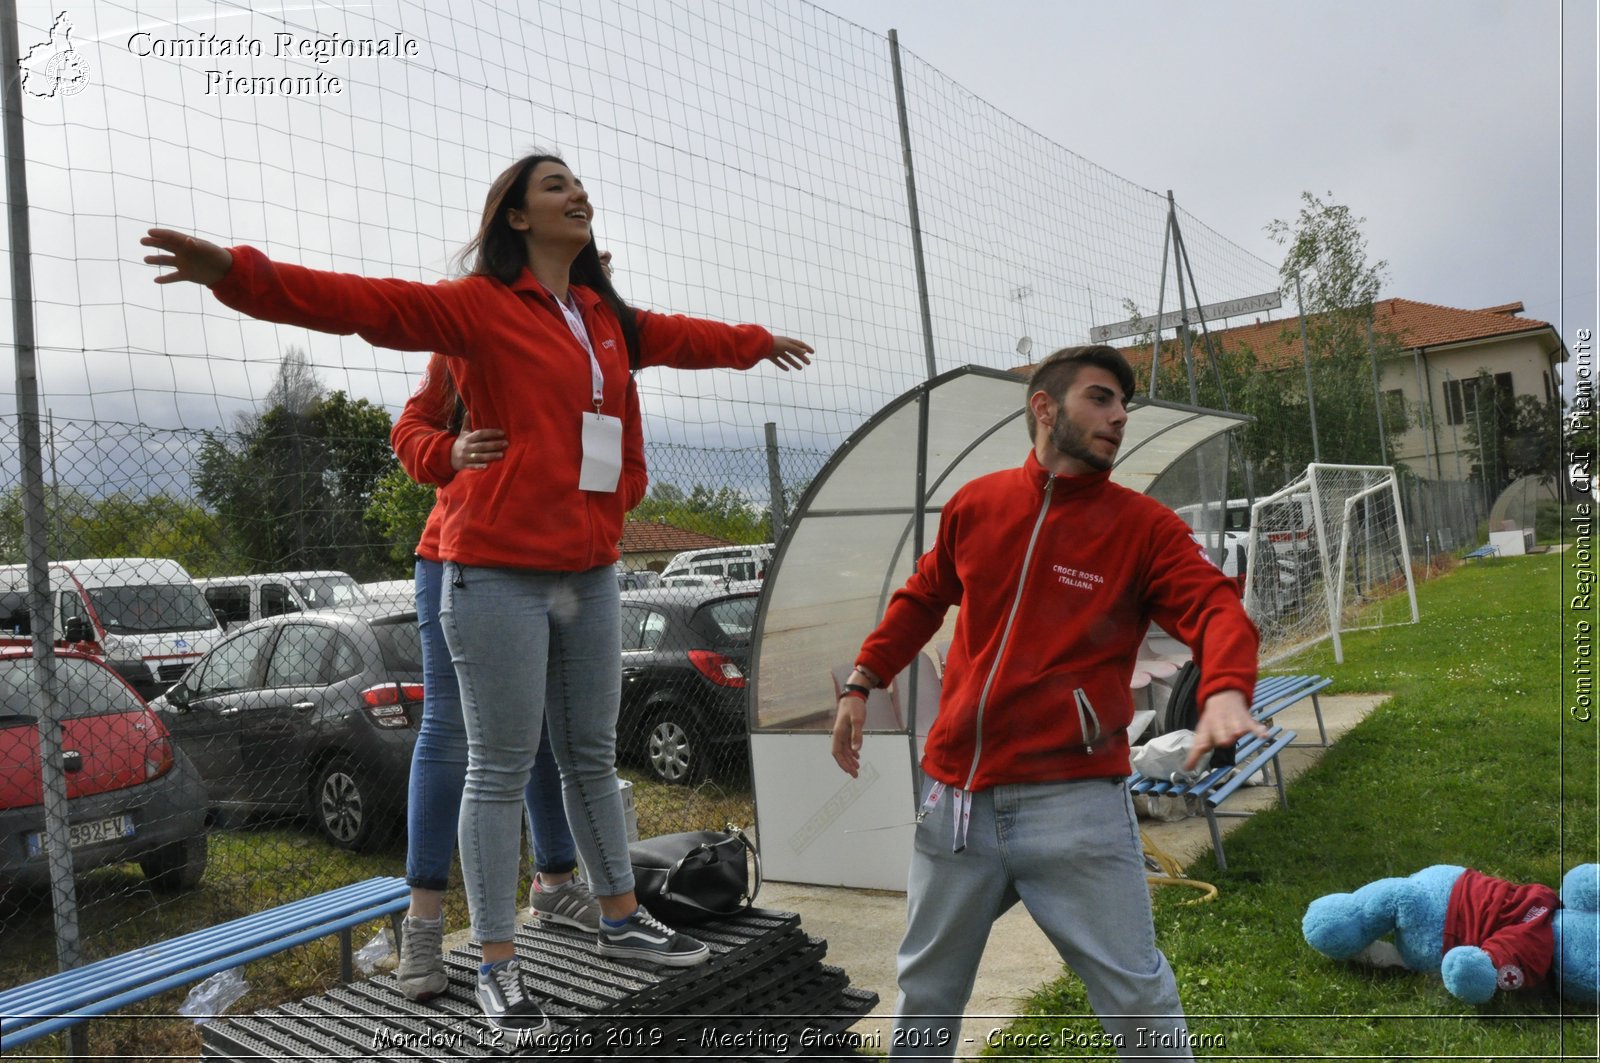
[644, 937]
[506, 1004]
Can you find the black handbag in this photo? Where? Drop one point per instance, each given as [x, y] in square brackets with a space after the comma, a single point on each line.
[689, 878]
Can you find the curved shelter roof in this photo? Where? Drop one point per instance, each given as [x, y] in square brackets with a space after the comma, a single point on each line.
[854, 537]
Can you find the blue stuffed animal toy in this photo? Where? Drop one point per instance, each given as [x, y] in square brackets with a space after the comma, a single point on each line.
[1480, 934]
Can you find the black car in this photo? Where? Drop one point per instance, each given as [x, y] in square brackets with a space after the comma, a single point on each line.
[312, 713]
[685, 651]
[131, 796]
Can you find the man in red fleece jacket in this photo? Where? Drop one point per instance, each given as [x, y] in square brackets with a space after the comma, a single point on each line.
[1057, 572]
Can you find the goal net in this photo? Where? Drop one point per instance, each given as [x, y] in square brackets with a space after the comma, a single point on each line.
[1327, 555]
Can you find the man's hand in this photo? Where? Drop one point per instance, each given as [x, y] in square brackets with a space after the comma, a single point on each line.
[477, 448]
[788, 353]
[191, 258]
[1224, 719]
[847, 734]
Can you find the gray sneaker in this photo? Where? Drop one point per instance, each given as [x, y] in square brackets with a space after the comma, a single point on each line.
[420, 973]
[570, 903]
[644, 937]
[506, 1004]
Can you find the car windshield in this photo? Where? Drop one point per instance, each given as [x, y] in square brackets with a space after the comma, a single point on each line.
[329, 592]
[401, 644]
[86, 688]
[728, 621]
[148, 610]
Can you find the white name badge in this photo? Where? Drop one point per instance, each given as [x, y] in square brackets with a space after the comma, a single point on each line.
[602, 452]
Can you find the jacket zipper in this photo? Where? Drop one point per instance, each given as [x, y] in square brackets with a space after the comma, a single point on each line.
[1005, 636]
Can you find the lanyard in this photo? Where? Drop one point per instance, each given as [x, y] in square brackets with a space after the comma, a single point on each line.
[581, 333]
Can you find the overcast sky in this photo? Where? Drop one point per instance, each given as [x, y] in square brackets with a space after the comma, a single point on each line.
[1439, 121]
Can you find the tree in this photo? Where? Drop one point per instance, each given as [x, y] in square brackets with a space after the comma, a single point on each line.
[1326, 258]
[720, 512]
[399, 510]
[1511, 435]
[294, 483]
[120, 525]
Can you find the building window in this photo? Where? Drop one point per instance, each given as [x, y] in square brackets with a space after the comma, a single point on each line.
[1461, 396]
[1394, 407]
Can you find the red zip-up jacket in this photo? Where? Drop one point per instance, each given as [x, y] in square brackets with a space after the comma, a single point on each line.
[518, 368]
[1057, 579]
[422, 442]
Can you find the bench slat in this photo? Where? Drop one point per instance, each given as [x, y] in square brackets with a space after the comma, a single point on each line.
[58, 1001]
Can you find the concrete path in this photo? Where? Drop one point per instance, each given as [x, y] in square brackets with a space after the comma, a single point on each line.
[863, 927]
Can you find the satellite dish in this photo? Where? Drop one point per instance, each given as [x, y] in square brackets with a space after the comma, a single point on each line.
[1025, 346]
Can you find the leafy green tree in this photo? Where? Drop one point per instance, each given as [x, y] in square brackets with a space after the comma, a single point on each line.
[294, 484]
[1327, 257]
[1510, 436]
[721, 512]
[399, 510]
[120, 525]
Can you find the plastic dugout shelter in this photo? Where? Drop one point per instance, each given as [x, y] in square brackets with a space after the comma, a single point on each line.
[851, 543]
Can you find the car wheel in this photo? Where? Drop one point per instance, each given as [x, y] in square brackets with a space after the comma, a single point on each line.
[673, 749]
[344, 805]
[177, 865]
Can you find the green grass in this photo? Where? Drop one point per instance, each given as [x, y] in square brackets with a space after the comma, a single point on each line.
[254, 868]
[1472, 761]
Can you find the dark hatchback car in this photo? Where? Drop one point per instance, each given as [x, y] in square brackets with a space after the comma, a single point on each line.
[309, 713]
[131, 796]
[685, 651]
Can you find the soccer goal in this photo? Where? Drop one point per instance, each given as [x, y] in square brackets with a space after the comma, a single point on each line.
[1328, 554]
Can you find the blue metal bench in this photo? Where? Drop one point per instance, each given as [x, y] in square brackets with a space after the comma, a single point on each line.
[1276, 693]
[1252, 754]
[58, 1001]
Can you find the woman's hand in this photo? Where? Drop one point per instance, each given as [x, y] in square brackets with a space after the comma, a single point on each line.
[191, 258]
[788, 353]
[477, 448]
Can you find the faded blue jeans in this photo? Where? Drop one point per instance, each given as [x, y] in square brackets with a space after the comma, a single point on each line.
[1071, 853]
[533, 648]
[439, 765]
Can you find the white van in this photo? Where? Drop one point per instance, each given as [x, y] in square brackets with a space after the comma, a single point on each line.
[719, 564]
[240, 599]
[143, 615]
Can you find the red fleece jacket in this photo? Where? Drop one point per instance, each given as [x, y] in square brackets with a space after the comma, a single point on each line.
[422, 441]
[518, 368]
[1057, 579]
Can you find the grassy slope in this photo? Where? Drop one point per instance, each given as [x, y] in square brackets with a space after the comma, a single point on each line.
[1472, 761]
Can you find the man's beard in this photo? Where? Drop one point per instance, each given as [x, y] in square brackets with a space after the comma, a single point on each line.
[1074, 442]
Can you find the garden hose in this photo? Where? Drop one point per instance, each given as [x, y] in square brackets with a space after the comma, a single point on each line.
[1164, 870]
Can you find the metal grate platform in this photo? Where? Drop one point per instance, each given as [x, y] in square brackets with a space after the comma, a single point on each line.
[764, 994]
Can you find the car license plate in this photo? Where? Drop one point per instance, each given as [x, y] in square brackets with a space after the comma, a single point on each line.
[90, 833]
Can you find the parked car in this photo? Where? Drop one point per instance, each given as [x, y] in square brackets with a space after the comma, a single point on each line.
[131, 795]
[240, 599]
[721, 563]
[636, 579]
[143, 616]
[310, 713]
[684, 655]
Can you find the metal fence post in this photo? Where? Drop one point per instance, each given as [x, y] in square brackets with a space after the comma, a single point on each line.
[35, 525]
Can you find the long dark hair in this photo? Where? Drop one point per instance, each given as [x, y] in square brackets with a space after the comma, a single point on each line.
[497, 250]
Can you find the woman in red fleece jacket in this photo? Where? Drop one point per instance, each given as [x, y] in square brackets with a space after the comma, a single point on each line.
[541, 347]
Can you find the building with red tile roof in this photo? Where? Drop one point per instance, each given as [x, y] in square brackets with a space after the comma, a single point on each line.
[651, 544]
[1442, 351]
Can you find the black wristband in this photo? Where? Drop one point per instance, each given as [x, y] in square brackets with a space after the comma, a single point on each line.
[857, 688]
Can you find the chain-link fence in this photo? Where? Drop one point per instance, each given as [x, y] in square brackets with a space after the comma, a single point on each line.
[747, 163]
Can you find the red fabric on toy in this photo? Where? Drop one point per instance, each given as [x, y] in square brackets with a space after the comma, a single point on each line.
[1511, 923]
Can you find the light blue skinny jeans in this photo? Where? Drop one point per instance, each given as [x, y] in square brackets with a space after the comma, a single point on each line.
[533, 648]
[1070, 852]
[439, 765]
